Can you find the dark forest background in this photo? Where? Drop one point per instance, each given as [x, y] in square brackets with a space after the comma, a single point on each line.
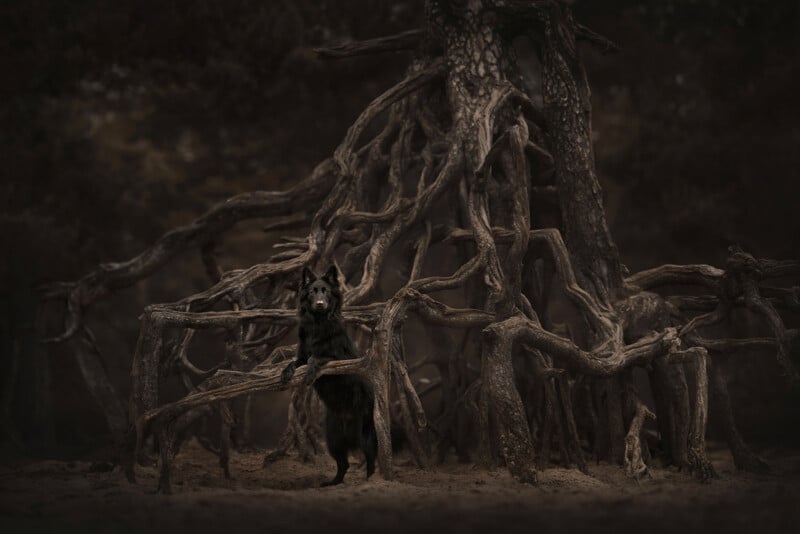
[121, 119]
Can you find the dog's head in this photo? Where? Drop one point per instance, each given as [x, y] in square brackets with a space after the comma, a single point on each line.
[320, 295]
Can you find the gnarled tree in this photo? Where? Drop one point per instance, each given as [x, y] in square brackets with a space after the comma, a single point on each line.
[470, 158]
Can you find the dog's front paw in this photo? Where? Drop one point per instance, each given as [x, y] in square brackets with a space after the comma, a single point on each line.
[287, 373]
[311, 375]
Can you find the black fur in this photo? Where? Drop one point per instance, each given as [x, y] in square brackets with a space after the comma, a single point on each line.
[348, 399]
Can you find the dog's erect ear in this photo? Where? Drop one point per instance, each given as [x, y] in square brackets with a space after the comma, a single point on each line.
[332, 275]
[308, 277]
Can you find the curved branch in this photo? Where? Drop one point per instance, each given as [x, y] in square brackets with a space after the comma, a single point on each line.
[424, 200]
[590, 363]
[594, 313]
[635, 466]
[706, 275]
[109, 277]
[236, 384]
[422, 245]
[407, 40]
[229, 319]
[767, 311]
[701, 275]
[604, 44]
[345, 155]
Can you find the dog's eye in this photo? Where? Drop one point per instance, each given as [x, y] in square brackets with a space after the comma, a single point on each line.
[323, 290]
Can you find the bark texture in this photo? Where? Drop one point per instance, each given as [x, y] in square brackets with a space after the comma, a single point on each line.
[462, 158]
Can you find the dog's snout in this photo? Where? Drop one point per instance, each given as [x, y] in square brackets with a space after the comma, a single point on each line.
[319, 303]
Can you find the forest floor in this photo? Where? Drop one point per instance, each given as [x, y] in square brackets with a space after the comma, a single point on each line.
[57, 496]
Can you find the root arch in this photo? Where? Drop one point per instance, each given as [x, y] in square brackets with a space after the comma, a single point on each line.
[458, 162]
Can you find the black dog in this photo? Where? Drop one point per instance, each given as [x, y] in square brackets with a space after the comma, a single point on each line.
[348, 399]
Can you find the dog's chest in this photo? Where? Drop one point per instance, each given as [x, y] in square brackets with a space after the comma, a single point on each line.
[325, 340]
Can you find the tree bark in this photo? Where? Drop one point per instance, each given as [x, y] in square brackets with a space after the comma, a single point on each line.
[461, 156]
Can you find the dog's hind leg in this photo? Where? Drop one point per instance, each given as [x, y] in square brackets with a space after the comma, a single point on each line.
[337, 446]
[369, 444]
[341, 468]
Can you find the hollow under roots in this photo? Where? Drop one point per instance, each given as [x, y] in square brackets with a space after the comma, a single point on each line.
[465, 166]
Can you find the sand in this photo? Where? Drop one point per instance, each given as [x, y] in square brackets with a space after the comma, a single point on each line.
[79, 496]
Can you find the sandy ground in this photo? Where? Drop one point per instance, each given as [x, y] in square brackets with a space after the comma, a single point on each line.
[73, 496]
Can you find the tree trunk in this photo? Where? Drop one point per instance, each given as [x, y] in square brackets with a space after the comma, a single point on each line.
[460, 157]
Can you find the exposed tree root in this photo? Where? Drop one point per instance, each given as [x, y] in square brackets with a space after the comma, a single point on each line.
[743, 457]
[635, 466]
[453, 165]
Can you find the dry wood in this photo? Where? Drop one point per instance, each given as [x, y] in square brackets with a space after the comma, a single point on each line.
[451, 166]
